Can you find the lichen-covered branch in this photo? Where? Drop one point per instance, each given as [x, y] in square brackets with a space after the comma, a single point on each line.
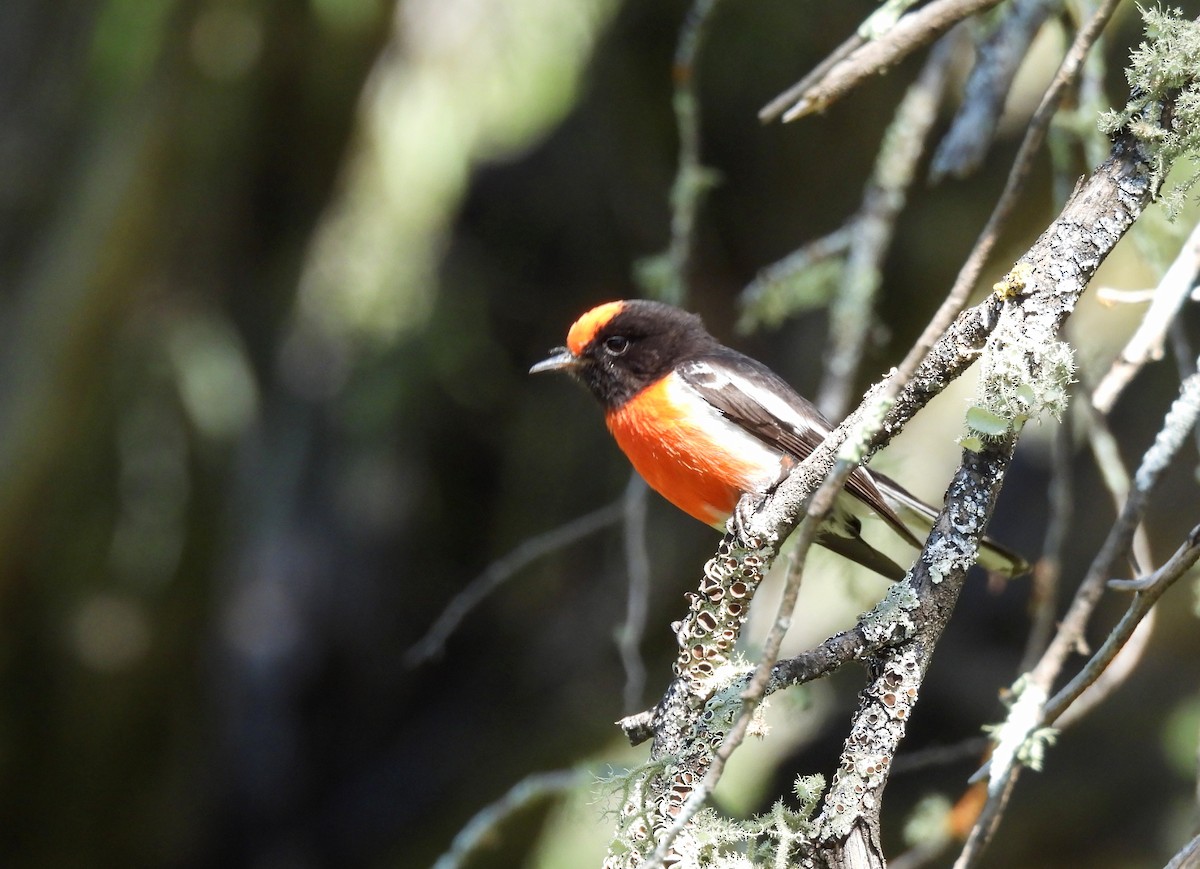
[1025, 371]
[848, 827]
[1025, 316]
[1020, 739]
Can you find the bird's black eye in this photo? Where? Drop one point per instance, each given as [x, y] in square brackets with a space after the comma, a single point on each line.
[616, 345]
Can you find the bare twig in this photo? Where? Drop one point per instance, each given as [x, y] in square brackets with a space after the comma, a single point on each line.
[1185, 357]
[1117, 296]
[780, 104]
[1188, 856]
[1147, 343]
[637, 566]
[911, 32]
[483, 827]
[502, 569]
[850, 314]
[939, 755]
[692, 178]
[1048, 570]
[1148, 590]
[1113, 676]
[1107, 454]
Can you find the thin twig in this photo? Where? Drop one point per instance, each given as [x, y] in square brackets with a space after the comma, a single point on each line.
[850, 313]
[1048, 570]
[1185, 357]
[1148, 591]
[1112, 676]
[501, 570]
[483, 827]
[1018, 176]
[1188, 856]
[920, 855]
[911, 32]
[692, 178]
[939, 755]
[1107, 454]
[1147, 343]
[1117, 296]
[637, 566]
[779, 105]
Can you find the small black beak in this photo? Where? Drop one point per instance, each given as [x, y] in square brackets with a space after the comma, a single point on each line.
[562, 359]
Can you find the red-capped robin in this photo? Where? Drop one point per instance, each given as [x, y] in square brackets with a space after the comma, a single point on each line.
[704, 424]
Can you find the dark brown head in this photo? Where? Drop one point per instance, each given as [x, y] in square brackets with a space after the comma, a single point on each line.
[619, 348]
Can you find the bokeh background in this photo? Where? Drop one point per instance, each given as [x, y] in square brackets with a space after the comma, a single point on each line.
[271, 275]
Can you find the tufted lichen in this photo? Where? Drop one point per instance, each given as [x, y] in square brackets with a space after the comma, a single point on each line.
[1164, 70]
[1025, 372]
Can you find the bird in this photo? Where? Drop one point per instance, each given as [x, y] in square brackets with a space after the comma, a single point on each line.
[704, 424]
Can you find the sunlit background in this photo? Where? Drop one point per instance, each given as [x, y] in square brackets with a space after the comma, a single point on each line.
[271, 276]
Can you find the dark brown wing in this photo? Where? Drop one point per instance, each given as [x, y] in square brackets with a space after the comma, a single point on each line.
[751, 395]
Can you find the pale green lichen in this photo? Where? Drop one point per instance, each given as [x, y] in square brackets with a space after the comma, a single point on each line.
[727, 685]
[858, 439]
[1023, 375]
[778, 836]
[773, 839]
[1164, 69]
[1020, 739]
[780, 293]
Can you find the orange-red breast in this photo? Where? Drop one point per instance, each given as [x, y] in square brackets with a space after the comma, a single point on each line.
[704, 424]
